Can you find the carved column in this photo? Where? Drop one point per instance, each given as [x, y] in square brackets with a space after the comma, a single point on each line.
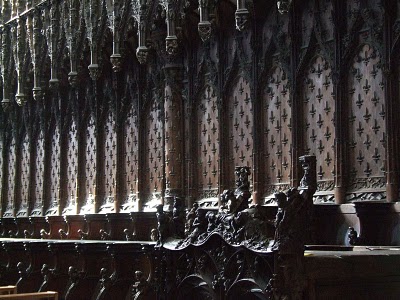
[173, 133]
[340, 119]
[5, 61]
[295, 35]
[392, 182]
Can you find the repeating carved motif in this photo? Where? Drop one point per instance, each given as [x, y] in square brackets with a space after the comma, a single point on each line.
[277, 130]
[208, 142]
[22, 210]
[319, 130]
[72, 170]
[154, 170]
[54, 173]
[240, 127]
[39, 176]
[90, 168]
[110, 163]
[367, 137]
[57, 37]
[9, 212]
[131, 159]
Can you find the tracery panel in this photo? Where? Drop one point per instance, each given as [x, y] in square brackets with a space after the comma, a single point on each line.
[131, 160]
[110, 164]
[277, 131]
[208, 144]
[367, 136]
[22, 209]
[54, 173]
[240, 109]
[10, 204]
[72, 170]
[154, 156]
[90, 168]
[39, 174]
[319, 130]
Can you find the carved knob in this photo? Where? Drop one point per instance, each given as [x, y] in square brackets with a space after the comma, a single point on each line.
[104, 235]
[44, 234]
[27, 234]
[62, 233]
[82, 234]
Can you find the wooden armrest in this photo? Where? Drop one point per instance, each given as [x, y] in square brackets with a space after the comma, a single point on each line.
[31, 296]
[7, 290]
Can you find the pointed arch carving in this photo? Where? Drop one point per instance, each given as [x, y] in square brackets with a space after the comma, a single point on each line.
[277, 131]
[319, 127]
[366, 115]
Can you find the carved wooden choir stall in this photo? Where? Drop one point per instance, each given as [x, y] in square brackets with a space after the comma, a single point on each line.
[149, 149]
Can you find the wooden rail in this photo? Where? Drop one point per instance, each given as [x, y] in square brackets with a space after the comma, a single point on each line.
[7, 290]
[31, 296]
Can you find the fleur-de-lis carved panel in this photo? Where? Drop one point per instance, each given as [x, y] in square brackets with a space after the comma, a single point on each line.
[72, 168]
[90, 162]
[131, 151]
[54, 172]
[110, 157]
[277, 129]
[39, 173]
[208, 141]
[240, 138]
[367, 135]
[22, 209]
[154, 150]
[11, 180]
[319, 129]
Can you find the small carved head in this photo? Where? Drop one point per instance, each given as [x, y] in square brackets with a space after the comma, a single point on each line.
[283, 6]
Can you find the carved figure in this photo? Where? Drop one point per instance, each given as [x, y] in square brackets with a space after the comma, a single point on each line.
[190, 216]
[161, 224]
[178, 217]
[141, 285]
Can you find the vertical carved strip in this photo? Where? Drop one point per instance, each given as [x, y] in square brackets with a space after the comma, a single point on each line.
[39, 173]
[131, 159]
[240, 123]
[54, 186]
[173, 112]
[340, 100]
[153, 184]
[71, 206]
[367, 134]
[10, 203]
[277, 132]
[319, 130]
[89, 200]
[207, 156]
[392, 162]
[110, 164]
[22, 210]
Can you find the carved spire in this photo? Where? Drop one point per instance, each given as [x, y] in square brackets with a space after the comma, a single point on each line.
[20, 62]
[140, 11]
[241, 15]
[5, 62]
[72, 32]
[204, 26]
[114, 8]
[171, 8]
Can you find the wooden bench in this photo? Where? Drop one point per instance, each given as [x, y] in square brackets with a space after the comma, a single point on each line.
[7, 290]
[31, 296]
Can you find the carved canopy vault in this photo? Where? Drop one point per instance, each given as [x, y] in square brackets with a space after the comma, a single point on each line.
[122, 105]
